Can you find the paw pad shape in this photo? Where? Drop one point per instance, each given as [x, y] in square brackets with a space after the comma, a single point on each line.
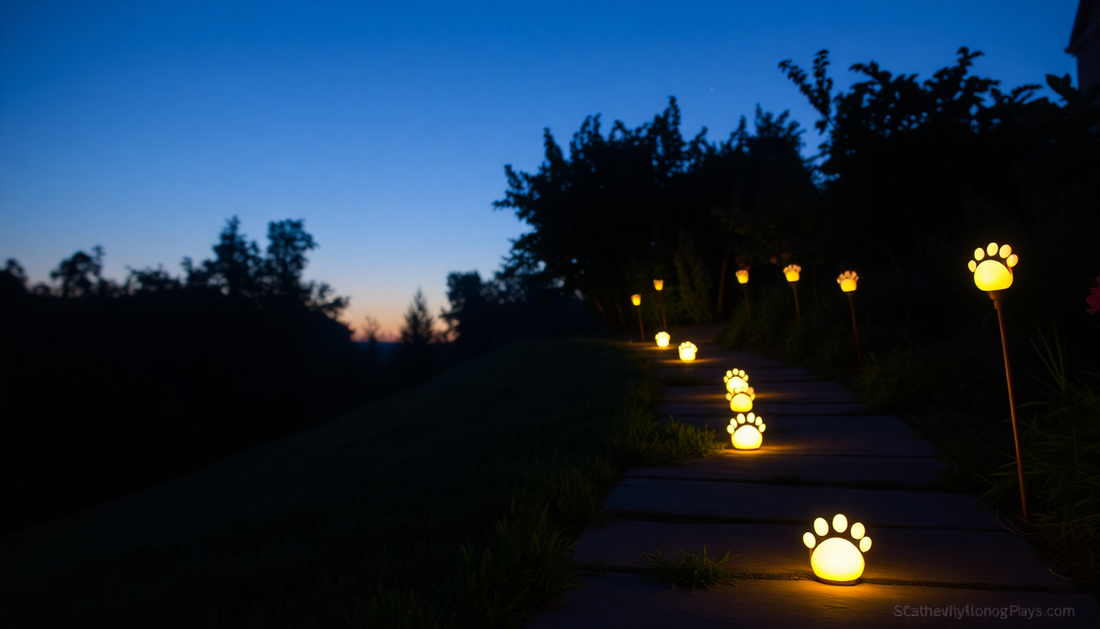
[736, 379]
[993, 273]
[837, 559]
[687, 351]
[746, 431]
[741, 399]
[792, 272]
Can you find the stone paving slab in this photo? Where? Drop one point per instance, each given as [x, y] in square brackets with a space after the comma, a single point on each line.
[779, 439]
[793, 504]
[976, 557]
[709, 356]
[716, 395]
[881, 443]
[716, 370]
[762, 465]
[767, 410]
[628, 601]
[857, 424]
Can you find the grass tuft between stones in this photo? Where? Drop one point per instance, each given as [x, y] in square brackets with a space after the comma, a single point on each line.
[694, 570]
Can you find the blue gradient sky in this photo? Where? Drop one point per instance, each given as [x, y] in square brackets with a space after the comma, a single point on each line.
[143, 126]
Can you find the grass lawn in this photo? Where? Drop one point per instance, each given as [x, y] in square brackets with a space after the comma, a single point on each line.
[453, 503]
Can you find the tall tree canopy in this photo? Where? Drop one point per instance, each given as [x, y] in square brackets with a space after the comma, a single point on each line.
[613, 215]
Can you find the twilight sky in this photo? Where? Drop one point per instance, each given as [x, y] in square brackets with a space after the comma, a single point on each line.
[142, 126]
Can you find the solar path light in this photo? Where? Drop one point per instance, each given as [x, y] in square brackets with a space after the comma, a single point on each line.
[792, 272]
[659, 285]
[847, 281]
[992, 269]
[637, 301]
[743, 280]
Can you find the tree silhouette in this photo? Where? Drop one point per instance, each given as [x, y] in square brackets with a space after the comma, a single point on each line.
[608, 218]
[80, 274]
[239, 352]
[288, 243]
[416, 357]
[13, 280]
[418, 330]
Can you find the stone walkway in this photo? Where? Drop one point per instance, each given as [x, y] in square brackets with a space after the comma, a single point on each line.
[822, 454]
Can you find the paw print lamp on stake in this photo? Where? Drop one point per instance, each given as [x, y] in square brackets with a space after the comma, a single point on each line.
[837, 560]
[662, 339]
[792, 273]
[993, 274]
[659, 285]
[687, 351]
[743, 279]
[847, 281]
[637, 301]
[746, 431]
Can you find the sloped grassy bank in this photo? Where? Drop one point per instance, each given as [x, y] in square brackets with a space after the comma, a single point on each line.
[453, 503]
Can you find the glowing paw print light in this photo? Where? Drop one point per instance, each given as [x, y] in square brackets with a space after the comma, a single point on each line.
[662, 339]
[687, 351]
[742, 276]
[741, 400]
[992, 274]
[847, 281]
[736, 379]
[746, 431]
[837, 560]
[792, 271]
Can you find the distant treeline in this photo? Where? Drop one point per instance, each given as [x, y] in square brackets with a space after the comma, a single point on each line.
[106, 387]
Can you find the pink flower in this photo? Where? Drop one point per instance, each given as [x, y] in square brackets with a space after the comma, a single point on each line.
[1093, 300]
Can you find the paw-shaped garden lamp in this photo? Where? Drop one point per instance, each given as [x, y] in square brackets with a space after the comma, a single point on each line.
[792, 273]
[838, 559]
[659, 285]
[636, 299]
[847, 281]
[743, 279]
[741, 400]
[993, 274]
[747, 431]
[735, 379]
[687, 351]
[662, 339]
